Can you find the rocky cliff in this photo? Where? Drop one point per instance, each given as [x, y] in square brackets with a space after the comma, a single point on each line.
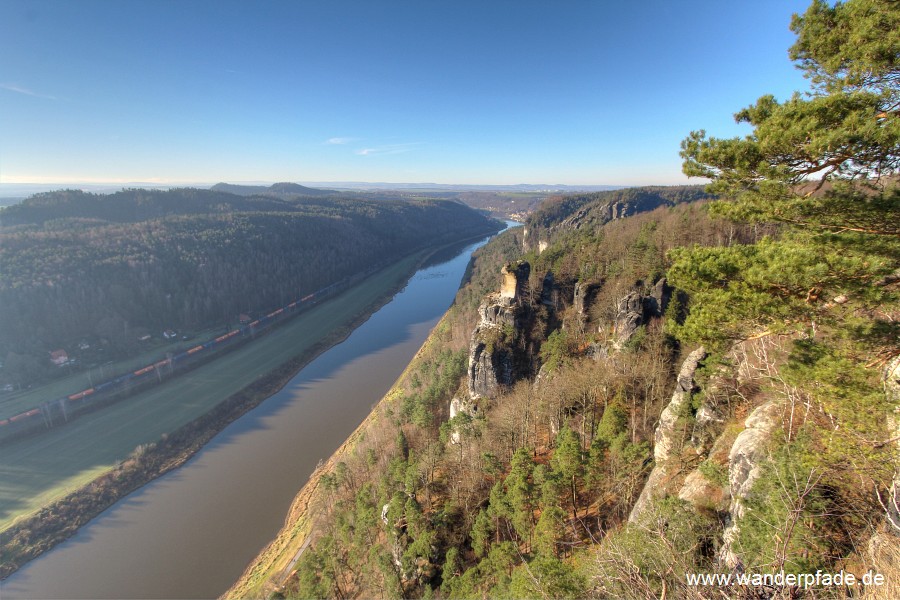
[745, 461]
[669, 434]
[592, 211]
[493, 363]
[636, 309]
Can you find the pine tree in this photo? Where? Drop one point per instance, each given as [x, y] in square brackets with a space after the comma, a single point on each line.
[822, 167]
[568, 461]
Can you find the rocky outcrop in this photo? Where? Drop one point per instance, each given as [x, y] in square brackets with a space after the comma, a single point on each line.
[636, 309]
[664, 439]
[514, 280]
[629, 316]
[656, 303]
[666, 445]
[492, 361]
[490, 367]
[549, 291]
[745, 461]
[530, 240]
[496, 311]
[584, 297]
[462, 404]
[698, 490]
[592, 211]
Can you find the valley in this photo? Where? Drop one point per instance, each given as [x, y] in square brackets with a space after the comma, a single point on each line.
[430, 301]
[270, 449]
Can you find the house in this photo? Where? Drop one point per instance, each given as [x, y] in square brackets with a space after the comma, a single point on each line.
[244, 318]
[59, 357]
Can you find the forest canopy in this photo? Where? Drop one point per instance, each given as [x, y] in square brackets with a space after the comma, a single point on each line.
[76, 266]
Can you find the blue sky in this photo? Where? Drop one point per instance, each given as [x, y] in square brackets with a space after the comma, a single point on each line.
[569, 92]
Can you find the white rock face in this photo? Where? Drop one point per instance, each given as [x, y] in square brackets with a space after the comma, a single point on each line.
[514, 279]
[745, 460]
[461, 405]
[664, 439]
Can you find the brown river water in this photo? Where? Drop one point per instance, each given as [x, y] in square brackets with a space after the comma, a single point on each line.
[191, 533]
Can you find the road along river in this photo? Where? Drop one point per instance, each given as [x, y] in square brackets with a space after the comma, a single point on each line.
[190, 533]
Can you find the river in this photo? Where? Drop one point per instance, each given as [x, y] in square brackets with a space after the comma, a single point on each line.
[191, 533]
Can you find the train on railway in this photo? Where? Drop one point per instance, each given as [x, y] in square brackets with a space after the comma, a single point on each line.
[172, 362]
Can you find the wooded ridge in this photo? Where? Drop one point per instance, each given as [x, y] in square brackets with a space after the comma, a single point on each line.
[105, 271]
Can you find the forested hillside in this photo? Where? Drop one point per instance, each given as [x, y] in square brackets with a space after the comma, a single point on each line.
[109, 269]
[598, 208]
[463, 506]
[707, 387]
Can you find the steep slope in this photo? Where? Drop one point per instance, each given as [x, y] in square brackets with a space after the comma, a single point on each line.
[554, 438]
[570, 212]
[769, 463]
[513, 376]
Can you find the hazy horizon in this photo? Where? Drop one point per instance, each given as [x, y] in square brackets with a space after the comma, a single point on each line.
[25, 189]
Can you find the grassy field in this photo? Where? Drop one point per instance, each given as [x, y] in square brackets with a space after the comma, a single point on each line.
[38, 470]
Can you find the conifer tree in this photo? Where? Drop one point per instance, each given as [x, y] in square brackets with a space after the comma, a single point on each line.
[822, 166]
[568, 461]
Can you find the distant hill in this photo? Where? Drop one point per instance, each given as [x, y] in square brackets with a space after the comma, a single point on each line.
[463, 187]
[133, 205]
[277, 189]
[79, 266]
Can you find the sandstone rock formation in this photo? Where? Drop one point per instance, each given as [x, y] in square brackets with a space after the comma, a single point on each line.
[491, 359]
[549, 292]
[656, 303]
[698, 490]
[636, 309]
[584, 297]
[514, 280]
[490, 367]
[629, 316]
[666, 437]
[748, 452]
